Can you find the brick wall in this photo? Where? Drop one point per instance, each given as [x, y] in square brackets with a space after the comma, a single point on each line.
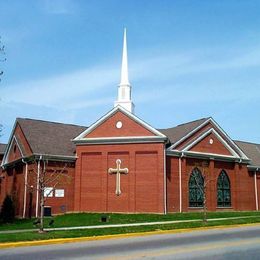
[242, 184]
[142, 188]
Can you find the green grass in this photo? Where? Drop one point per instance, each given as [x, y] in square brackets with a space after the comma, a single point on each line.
[88, 219]
[29, 236]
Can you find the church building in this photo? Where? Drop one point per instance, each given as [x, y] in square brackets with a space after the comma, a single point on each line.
[122, 164]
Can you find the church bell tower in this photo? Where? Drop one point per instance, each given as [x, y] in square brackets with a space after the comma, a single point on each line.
[124, 89]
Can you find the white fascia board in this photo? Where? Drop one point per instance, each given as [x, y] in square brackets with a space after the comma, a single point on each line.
[113, 111]
[201, 155]
[211, 130]
[8, 150]
[212, 154]
[218, 127]
[230, 140]
[9, 143]
[56, 157]
[115, 140]
[189, 134]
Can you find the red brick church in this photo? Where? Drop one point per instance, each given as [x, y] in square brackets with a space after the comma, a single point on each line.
[122, 164]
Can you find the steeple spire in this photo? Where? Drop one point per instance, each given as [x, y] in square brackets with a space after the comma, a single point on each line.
[124, 68]
[124, 88]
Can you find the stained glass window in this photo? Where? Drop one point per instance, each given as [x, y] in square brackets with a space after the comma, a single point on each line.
[196, 188]
[223, 193]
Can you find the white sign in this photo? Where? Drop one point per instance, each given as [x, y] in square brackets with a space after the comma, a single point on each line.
[59, 193]
[48, 192]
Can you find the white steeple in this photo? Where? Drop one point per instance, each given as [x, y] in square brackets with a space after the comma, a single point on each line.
[124, 88]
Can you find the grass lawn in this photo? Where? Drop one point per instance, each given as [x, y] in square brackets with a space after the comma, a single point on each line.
[29, 236]
[89, 219]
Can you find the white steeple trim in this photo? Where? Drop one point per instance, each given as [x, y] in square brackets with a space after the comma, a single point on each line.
[124, 88]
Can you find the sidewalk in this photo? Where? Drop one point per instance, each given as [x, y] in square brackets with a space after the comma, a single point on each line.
[123, 225]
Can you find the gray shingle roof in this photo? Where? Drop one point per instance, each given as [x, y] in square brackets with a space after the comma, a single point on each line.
[2, 148]
[179, 131]
[49, 137]
[53, 138]
[251, 150]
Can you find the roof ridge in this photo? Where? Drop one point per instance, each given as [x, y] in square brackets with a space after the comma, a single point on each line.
[193, 121]
[185, 123]
[246, 142]
[45, 121]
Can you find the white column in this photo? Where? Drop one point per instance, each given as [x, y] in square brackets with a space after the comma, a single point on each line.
[37, 190]
[25, 189]
[256, 192]
[164, 172]
[180, 184]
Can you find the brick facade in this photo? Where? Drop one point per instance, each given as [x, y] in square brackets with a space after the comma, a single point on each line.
[153, 172]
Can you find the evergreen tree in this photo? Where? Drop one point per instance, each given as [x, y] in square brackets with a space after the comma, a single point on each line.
[8, 210]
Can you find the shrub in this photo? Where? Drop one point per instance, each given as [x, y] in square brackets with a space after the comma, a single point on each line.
[7, 214]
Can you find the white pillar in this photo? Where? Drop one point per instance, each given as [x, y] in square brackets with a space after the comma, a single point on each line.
[180, 184]
[165, 179]
[25, 189]
[37, 190]
[256, 192]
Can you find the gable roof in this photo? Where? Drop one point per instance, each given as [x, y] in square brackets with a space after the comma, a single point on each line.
[2, 148]
[182, 132]
[252, 150]
[157, 135]
[50, 138]
[178, 132]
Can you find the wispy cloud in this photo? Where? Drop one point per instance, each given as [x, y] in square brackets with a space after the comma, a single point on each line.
[66, 89]
[58, 6]
[96, 85]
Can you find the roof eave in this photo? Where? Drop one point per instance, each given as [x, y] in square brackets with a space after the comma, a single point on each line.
[120, 140]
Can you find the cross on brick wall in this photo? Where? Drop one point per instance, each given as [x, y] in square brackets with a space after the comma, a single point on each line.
[118, 170]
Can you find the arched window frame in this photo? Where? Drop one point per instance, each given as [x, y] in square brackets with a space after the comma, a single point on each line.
[196, 189]
[223, 190]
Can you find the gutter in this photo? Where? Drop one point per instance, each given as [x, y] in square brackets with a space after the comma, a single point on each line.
[177, 153]
[121, 140]
[50, 157]
[253, 168]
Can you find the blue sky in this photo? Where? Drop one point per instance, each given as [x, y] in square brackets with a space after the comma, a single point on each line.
[188, 59]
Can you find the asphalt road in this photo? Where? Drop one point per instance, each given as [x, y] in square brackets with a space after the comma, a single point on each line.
[231, 243]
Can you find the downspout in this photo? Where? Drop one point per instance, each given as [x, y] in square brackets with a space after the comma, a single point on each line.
[25, 187]
[164, 172]
[37, 188]
[256, 192]
[180, 181]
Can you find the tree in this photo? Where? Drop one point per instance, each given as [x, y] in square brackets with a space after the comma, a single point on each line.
[43, 176]
[2, 58]
[8, 210]
[202, 184]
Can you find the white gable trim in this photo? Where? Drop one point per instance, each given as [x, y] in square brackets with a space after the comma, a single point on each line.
[112, 112]
[241, 153]
[8, 150]
[123, 139]
[188, 135]
[213, 131]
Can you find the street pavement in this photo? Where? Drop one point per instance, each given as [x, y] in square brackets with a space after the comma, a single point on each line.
[225, 243]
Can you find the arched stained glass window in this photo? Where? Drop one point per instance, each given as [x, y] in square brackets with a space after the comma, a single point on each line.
[223, 193]
[196, 188]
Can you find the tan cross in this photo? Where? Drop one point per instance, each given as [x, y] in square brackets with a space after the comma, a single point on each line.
[118, 171]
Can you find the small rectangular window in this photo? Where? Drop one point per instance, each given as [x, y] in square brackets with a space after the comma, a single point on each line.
[48, 192]
[59, 193]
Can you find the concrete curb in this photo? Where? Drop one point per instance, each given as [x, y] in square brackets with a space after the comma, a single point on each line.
[116, 236]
